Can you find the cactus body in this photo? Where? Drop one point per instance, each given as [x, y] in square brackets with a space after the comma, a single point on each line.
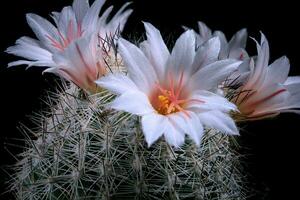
[82, 151]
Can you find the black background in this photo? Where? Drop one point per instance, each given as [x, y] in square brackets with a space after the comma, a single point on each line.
[271, 145]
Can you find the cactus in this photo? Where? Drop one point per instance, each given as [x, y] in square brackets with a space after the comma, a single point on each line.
[83, 151]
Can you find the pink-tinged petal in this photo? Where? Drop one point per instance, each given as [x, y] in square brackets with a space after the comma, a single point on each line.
[117, 83]
[80, 61]
[90, 20]
[139, 68]
[43, 29]
[262, 100]
[206, 54]
[202, 100]
[134, 102]
[156, 50]
[239, 54]
[67, 25]
[292, 80]
[278, 71]
[154, 125]
[220, 121]
[173, 134]
[80, 8]
[210, 76]
[190, 125]
[182, 56]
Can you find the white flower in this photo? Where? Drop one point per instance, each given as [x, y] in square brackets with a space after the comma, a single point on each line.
[268, 90]
[73, 47]
[235, 48]
[172, 92]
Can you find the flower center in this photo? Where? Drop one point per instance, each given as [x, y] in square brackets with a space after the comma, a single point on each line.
[173, 99]
[167, 104]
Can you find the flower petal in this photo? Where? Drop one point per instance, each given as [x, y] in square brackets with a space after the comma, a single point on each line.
[117, 83]
[259, 72]
[80, 8]
[118, 21]
[43, 29]
[278, 71]
[292, 80]
[139, 68]
[219, 121]
[204, 31]
[90, 20]
[157, 51]
[182, 55]
[190, 125]
[30, 49]
[202, 100]
[154, 125]
[206, 54]
[133, 102]
[210, 76]
[173, 134]
[237, 42]
[224, 44]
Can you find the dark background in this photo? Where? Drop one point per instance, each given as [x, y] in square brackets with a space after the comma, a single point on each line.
[271, 145]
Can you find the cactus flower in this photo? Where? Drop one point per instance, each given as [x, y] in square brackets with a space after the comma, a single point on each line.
[173, 92]
[268, 90]
[73, 47]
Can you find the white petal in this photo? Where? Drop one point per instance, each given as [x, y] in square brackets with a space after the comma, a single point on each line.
[173, 134]
[90, 20]
[80, 8]
[219, 121]
[31, 63]
[154, 125]
[103, 20]
[206, 54]
[278, 71]
[190, 125]
[133, 102]
[202, 100]
[30, 49]
[204, 31]
[292, 80]
[118, 22]
[261, 63]
[224, 44]
[117, 83]
[139, 68]
[158, 52]
[210, 76]
[238, 41]
[294, 88]
[182, 56]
